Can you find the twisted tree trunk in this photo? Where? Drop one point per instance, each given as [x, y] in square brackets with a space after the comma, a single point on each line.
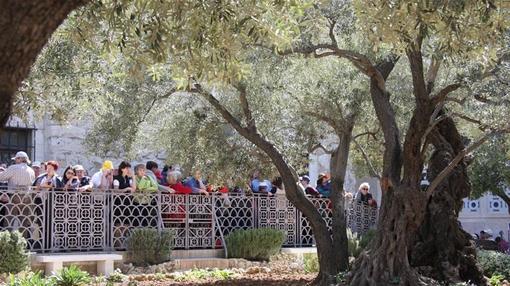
[443, 250]
[26, 26]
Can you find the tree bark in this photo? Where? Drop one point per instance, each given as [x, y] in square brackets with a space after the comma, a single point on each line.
[338, 165]
[26, 26]
[325, 251]
[442, 249]
[386, 262]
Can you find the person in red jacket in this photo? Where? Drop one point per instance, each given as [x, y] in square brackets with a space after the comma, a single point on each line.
[174, 182]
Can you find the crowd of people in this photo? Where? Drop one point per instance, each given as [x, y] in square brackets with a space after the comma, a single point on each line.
[148, 178]
[485, 240]
[145, 178]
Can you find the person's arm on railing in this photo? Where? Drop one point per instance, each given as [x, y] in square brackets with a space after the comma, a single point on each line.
[6, 175]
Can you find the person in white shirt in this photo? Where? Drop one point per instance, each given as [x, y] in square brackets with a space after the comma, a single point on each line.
[104, 178]
[19, 175]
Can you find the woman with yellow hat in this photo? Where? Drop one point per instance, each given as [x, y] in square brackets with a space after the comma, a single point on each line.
[103, 179]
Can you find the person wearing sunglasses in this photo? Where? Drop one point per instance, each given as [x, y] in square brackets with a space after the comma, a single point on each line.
[365, 196]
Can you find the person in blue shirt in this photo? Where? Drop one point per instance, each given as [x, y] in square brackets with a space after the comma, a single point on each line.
[324, 185]
[196, 184]
[255, 181]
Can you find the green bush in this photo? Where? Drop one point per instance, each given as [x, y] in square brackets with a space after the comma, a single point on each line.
[71, 276]
[147, 246]
[367, 238]
[311, 263]
[254, 244]
[28, 279]
[13, 252]
[494, 263]
[353, 243]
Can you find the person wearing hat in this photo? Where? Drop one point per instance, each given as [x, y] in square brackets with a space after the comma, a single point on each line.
[19, 174]
[104, 178]
[85, 182]
[36, 166]
[324, 185]
[308, 189]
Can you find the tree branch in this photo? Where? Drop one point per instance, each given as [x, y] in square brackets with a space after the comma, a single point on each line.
[460, 156]
[250, 121]
[431, 127]
[337, 126]
[371, 168]
[153, 102]
[332, 24]
[371, 133]
[432, 74]
[481, 125]
[443, 93]
[321, 146]
[360, 61]
[209, 97]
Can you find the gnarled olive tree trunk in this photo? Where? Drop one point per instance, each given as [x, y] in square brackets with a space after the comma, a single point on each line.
[25, 28]
[442, 249]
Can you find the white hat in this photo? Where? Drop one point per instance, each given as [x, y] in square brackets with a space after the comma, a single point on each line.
[78, 168]
[36, 164]
[488, 231]
[23, 155]
[264, 184]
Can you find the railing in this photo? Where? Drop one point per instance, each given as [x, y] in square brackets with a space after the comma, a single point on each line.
[56, 221]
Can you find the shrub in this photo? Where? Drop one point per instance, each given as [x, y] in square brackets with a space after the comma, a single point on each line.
[28, 279]
[496, 280]
[71, 276]
[353, 243]
[13, 252]
[147, 246]
[254, 244]
[311, 263]
[494, 263]
[116, 277]
[367, 238]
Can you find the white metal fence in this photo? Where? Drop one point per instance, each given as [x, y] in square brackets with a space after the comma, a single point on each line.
[57, 221]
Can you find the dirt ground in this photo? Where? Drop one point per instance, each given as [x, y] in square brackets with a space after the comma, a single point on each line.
[259, 279]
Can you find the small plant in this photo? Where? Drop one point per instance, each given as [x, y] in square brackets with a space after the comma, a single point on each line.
[116, 277]
[494, 263]
[367, 238]
[99, 280]
[28, 279]
[311, 263]
[159, 276]
[202, 274]
[71, 276]
[147, 246]
[341, 277]
[496, 280]
[254, 244]
[353, 244]
[13, 252]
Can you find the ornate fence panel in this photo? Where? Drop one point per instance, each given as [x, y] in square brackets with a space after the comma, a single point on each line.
[277, 212]
[25, 211]
[79, 220]
[306, 234]
[174, 209]
[130, 211]
[361, 217]
[200, 230]
[233, 212]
